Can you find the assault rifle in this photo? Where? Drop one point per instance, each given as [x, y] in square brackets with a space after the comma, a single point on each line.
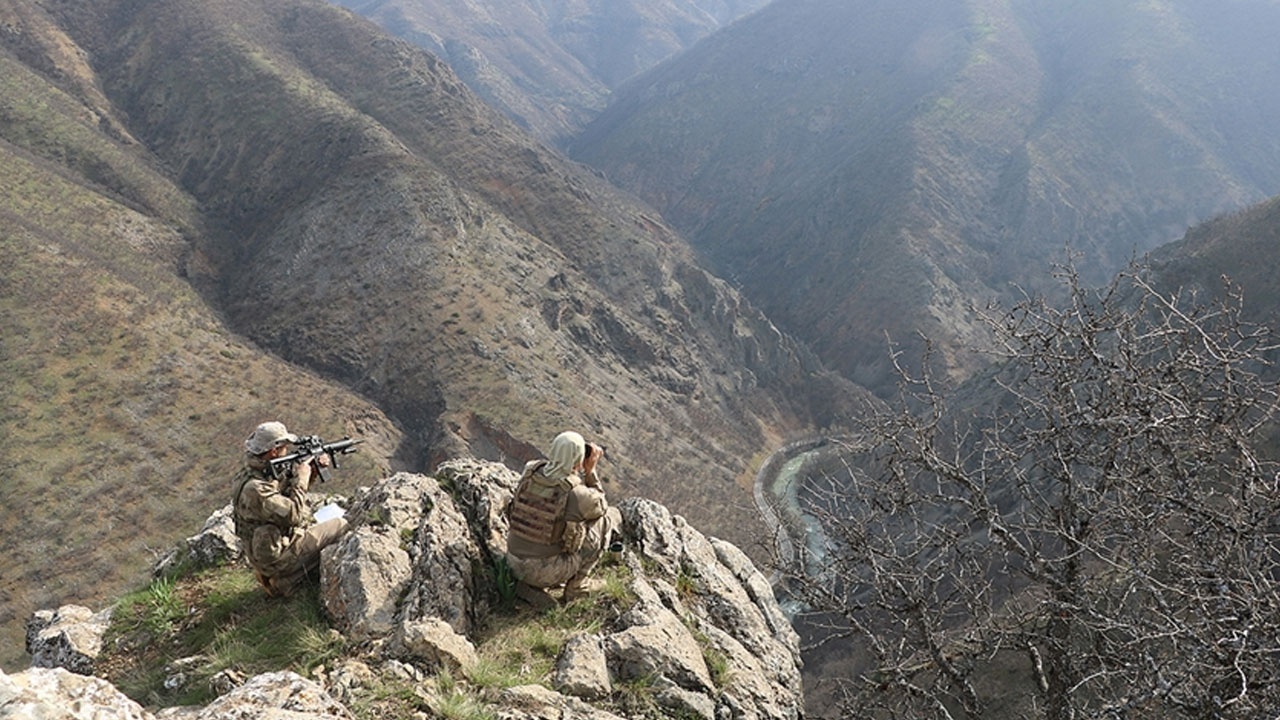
[310, 447]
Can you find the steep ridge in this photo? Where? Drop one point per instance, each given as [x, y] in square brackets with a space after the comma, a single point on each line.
[125, 395]
[863, 168]
[550, 66]
[223, 211]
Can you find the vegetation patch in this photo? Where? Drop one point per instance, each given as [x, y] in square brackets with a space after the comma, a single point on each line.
[169, 639]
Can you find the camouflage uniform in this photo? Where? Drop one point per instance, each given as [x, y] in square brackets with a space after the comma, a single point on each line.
[559, 529]
[273, 522]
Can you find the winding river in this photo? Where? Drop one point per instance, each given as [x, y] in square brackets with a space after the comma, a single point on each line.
[776, 491]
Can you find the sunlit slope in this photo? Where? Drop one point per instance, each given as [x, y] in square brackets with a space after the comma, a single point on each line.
[220, 212]
[125, 398]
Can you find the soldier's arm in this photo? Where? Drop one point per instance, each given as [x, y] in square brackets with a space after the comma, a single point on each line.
[587, 503]
[288, 507]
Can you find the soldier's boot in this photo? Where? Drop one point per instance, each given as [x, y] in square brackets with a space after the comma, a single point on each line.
[267, 583]
[577, 588]
[285, 585]
[538, 598]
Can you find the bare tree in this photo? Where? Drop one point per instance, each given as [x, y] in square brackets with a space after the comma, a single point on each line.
[1089, 531]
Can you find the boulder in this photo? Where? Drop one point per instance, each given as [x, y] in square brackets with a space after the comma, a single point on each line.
[42, 693]
[582, 670]
[270, 696]
[434, 642]
[69, 637]
[363, 577]
[216, 543]
[534, 702]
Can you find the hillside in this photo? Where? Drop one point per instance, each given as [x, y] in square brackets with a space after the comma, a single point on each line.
[863, 168]
[125, 394]
[551, 66]
[224, 211]
[1240, 247]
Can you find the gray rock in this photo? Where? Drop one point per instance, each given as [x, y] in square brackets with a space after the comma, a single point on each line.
[348, 678]
[732, 604]
[69, 637]
[215, 544]
[57, 694]
[534, 702]
[362, 578]
[447, 562]
[276, 696]
[582, 669]
[655, 643]
[483, 490]
[683, 703]
[224, 681]
[434, 642]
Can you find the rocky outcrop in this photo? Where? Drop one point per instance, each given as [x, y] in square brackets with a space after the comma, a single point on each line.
[69, 637]
[56, 693]
[215, 543]
[419, 573]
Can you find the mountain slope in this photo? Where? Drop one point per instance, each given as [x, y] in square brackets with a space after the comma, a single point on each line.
[125, 395]
[863, 168]
[551, 65]
[1239, 247]
[220, 212]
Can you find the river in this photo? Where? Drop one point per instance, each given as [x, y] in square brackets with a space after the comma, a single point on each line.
[777, 497]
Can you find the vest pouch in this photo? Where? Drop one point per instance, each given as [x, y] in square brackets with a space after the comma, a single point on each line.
[268, 545]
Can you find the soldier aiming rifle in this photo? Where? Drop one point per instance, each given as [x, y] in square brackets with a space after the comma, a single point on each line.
[272, 517]
[309, 448]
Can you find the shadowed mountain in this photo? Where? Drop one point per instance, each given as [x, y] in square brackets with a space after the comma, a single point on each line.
[551, 65]
[221, 212]
[1243, 247]
[872, 167]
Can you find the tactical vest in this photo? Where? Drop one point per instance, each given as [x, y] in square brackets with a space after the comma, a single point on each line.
[244, 527]
[536, 513]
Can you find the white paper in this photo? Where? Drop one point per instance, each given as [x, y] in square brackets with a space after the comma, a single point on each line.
[329, 512]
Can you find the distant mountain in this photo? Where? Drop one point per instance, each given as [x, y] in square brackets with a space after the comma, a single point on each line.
[863, 168]
[221, 212]
[551, 64]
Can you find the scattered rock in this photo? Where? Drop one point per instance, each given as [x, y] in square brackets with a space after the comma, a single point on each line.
[434, 642]
[414, 578]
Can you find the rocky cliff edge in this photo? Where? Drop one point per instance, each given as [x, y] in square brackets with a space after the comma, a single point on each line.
[413, 586]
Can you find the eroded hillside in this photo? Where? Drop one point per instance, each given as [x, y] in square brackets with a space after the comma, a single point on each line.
[219, 212]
